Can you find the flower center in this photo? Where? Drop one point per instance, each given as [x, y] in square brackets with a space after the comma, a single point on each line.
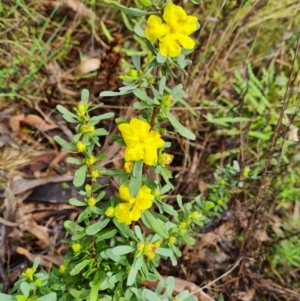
[142, 139]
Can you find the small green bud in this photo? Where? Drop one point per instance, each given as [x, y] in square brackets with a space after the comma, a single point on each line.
[146, 3]
[76, 247]
[220, 202]
[222, 182]
[157, 244]
[29, 273]
[91, 201]
[182, 225]
[95, 173]
[167, 101]
[80, 146]
[82, 107]
[196, 215]
[188, 220]
[133, 73]
[110, 211]
[61, 268]
[172, 240]
[246, 172]
[38, 282]
[140, 246]
[88, 187]
[156, 192]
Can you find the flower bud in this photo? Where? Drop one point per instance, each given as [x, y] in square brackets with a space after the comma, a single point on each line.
[156, 192]
[182, 231]
[196, 215]
[188, 220]
[87, 129]
[91, 201]
[90, 161]
[128, 166]
[167, 101]
[157, 244]
[38, 282]
[29, 272]
[165, 159]
[182, 225]
[80, 146]
[246, 172]
[61, 268]
[88, 187]
[95, 173]
[149, 251]
[140, 246]
[145, 3]
[110, 211]
[133, 73]
[82, 107]
[220, 202]
[76, 247]
[222, 182]
[172, 240]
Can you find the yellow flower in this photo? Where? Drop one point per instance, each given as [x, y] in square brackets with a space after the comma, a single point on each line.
[142, 142]
[132, 208]
[172, 33]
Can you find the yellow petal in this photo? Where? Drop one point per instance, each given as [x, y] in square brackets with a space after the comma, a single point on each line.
[156, 28]
[144, 198]
[150, 155]
[134, 152]
[186, 41]
[124, 193]
[168, 46]
[173, 14]
[189, 25]
[127, 133]
[140, 127]
[135, 213]
[122, 213]
[154, 139]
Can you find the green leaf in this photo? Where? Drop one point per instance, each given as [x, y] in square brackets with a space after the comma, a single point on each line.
[138, 168]
[80, 266]
[189, 240]
[182, 130]
[151, 296]
[76, 202]
[98, 226]
[138, 233]
[105, 234]
[164, 252]
[131, 11]
[122, 250]
[125, 230]
[160, 58]
[4, 297]
[64, 143]
[156, 224]
[65, 112]
[80, 176]
[162, 85]
[96, 119]
[224, 120]
[141, 106]
[136, 60]
[134, 186]
[72, 160]
[132, 275]
[24, 287]
[49, 297]
[143, 96]
[85, 94]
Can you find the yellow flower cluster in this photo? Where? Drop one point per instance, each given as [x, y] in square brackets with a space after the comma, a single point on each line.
[172, 31]
[141, 142]
[132, 208]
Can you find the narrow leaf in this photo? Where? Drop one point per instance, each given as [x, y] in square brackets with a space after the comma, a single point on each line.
[98, 226]
[182, 130]
[80, 266]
